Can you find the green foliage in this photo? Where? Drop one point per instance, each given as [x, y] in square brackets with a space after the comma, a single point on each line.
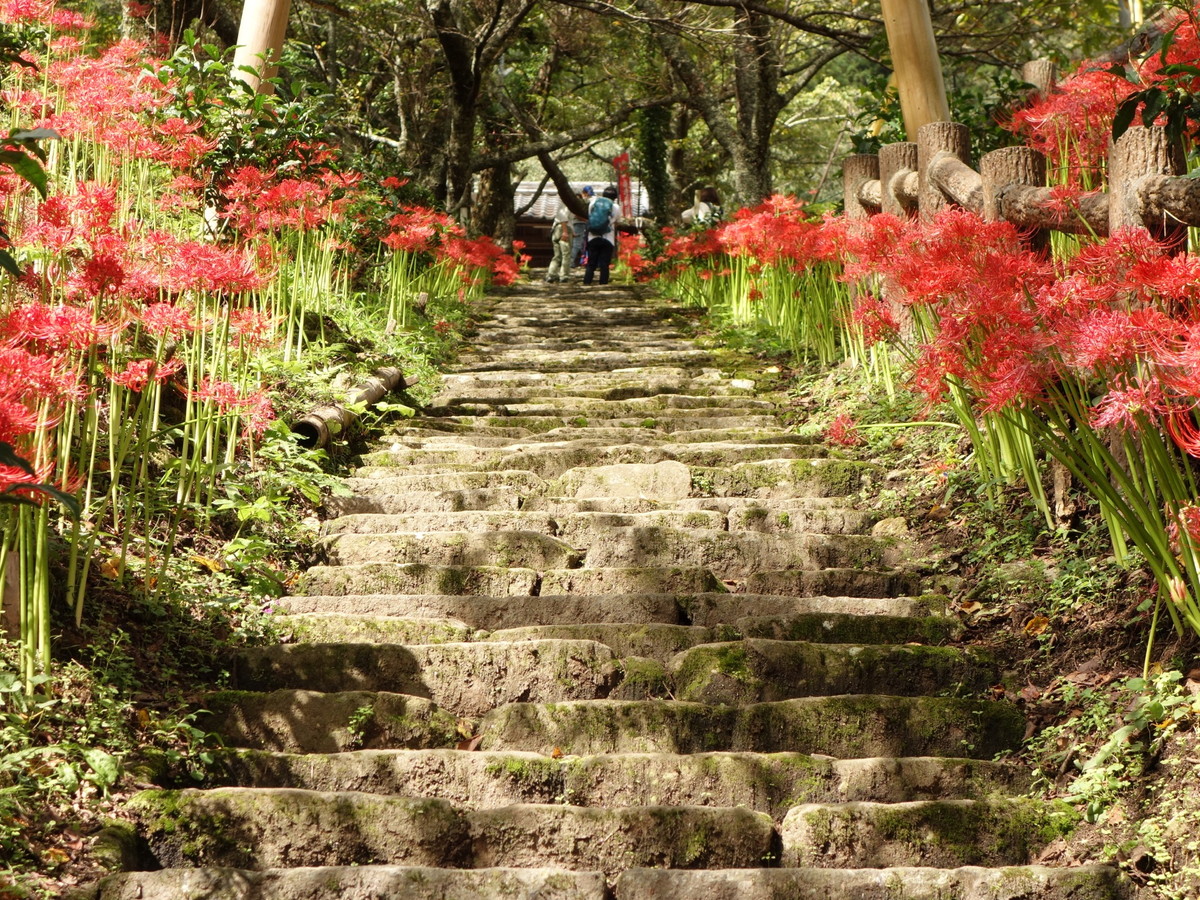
[1110, 737]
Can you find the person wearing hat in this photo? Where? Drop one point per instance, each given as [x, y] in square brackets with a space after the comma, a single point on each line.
[580, 227]
[601, 246]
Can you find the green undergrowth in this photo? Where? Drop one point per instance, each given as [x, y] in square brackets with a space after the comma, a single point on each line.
[118, 710]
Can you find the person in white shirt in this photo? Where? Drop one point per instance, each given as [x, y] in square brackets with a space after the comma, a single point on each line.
[601, 245]
[561, 237]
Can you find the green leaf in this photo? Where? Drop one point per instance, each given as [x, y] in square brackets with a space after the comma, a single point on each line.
[1154, 100]
[106, 770]
[9, 457]
[1125, 113]
[25, 166]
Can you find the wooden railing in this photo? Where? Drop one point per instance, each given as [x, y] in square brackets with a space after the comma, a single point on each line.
[1147, 185]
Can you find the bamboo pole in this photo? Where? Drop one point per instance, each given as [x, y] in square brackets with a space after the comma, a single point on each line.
[915, 61]
[260, 42]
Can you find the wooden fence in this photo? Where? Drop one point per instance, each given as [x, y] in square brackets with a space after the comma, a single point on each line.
[1147, 185]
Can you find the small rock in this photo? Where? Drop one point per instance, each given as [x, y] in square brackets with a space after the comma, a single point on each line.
[742, 384]
[892, 527]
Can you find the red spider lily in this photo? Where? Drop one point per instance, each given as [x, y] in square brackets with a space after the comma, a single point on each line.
[1130, 406]
[843, 431]
[1071, 126]
[254, 407]
[50, 329]
[42, 12]
[166, 320]
[140, 372]
[250, 330]
[394, 183]
[873, 317]
[1181, 426]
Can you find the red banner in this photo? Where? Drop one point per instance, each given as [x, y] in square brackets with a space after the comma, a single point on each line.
[624, 188]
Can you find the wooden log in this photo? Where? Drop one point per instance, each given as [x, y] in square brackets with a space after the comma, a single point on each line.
[260, 42]
[1042, 74]
[328, 422]
[1143, 151]
[915, 61]
[896, 162]
[1030, 208]
[932, 139]
[956, 180]
[857, 170]
[1169, 198]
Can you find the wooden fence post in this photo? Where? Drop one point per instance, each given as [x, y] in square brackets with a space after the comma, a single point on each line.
[1012, 165]
[858, 169]
[1042, 74]
[933, 139]
[260, 42]
[1143, 151]
[896, 162]
[916, 64]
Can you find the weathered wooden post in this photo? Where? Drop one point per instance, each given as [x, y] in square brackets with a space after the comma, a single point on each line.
[260, 42]
[1011, 166]
[1042, 74]
[1139, 158]
[932, 139]
[915, 61]
[898, 178]
[858, 171]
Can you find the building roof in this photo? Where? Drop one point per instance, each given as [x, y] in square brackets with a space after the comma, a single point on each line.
[546, 204]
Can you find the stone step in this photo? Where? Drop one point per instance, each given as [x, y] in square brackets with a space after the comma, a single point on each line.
[777, 478]
[759, 670]
[432, 432]
[550, 460]
[471, 521]
[939, 833]
[498, 611]
[331, 628]
[765, 782]
[667, 424]
[292, 721]
[1093, 882]
[622, 385]
[736, 555]
[416, 578]
[578, 529]
[655, 640]
[399, 501]
[261, 828]
[700, 405]
[582, 360]
[355, 881]
[518, 549]
[838, 619]
[466, 679]
[515, 480]
[852, 726]
[832, 582]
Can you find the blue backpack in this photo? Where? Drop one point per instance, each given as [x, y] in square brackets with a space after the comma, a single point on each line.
[599, 216]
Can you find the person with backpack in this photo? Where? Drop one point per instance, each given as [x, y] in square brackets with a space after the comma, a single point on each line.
[603, 215]
[561, 237]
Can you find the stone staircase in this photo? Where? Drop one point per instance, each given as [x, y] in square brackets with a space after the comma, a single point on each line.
[596, 626]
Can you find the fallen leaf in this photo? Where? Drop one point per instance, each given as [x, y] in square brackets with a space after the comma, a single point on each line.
[971, 606]
[1036, 626]
[471, 743]
[111, 568]
[1030, 692]
[556, 753]
[213, 565]
[465, 728]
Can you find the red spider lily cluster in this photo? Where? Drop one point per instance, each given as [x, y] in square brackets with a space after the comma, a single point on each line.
[1009, 323]
[777, 232]
[423, 231]
[115, 294]
[1072, 125]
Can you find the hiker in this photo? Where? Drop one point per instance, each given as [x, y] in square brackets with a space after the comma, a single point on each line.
[578, 257]
[603, 215]
[705, 210]
[562, 236]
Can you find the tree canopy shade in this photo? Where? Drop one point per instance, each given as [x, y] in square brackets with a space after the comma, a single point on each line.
[482, 93]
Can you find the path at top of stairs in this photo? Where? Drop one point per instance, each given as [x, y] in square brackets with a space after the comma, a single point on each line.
[595, 625]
